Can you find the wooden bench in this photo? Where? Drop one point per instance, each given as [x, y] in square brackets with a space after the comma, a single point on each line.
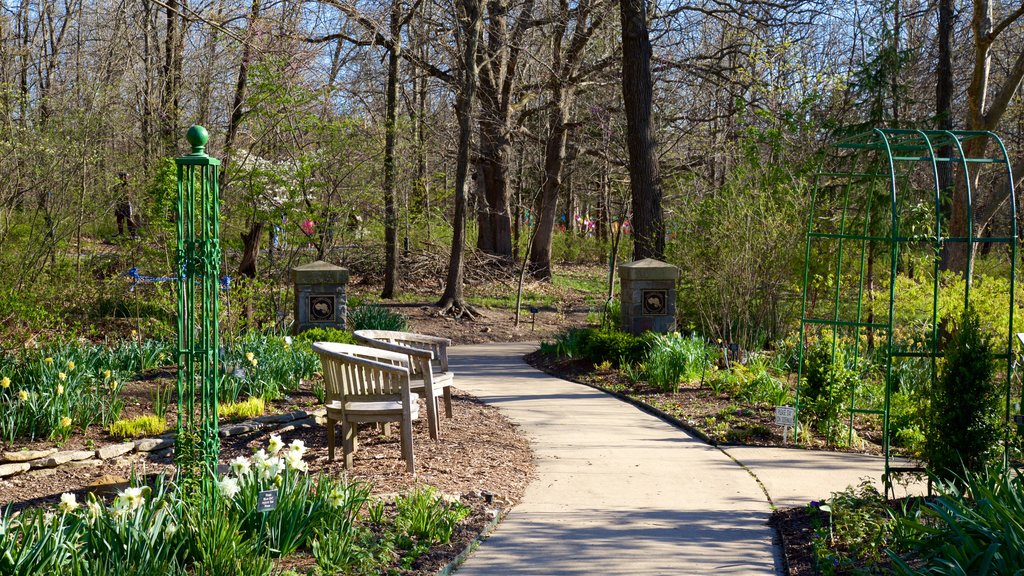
[428, 363]
[364, 384]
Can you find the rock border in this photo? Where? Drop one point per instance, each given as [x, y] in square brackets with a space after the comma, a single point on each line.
[13, 463]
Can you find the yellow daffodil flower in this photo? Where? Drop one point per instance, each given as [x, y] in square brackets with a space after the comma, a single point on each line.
[5, 383]
[62, 376]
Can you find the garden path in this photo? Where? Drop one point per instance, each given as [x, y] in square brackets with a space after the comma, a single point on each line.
[618, 491]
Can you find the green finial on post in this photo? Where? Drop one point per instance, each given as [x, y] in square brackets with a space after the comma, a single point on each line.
[197, 136]
[198, 258]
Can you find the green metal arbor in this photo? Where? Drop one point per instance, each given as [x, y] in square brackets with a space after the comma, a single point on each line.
[878, 223]
[198, 260]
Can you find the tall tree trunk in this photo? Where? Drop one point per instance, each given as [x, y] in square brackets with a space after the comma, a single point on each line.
[554, 162]
[944, 103]
[173, 55]
[452, 301]
[390, 133]
[637, 93]
[250, 240]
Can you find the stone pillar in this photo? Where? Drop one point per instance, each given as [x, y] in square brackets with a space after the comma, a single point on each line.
[320, 300]
[648, 296]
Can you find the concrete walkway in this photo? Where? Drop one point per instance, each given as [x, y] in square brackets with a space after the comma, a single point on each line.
[621, 492]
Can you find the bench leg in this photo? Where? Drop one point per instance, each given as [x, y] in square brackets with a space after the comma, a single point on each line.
[349, 431]
[407, 452]
[432, 424]
[330, 438]
[448, 401]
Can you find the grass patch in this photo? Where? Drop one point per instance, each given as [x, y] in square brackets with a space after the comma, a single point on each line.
[148, 425]
[251, 408]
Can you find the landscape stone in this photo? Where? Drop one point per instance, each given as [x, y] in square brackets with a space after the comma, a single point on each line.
[13, 468]
[83, 463]
[304, 423]
[151, 444]
[108, 484]
[240, 428]
[280, 418]
[27, 455]
[61, 458]
[114, 450]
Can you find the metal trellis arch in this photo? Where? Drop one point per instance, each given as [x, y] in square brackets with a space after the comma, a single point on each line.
[877, 228]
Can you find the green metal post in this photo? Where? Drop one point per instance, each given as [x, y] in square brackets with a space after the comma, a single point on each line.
[198, 259]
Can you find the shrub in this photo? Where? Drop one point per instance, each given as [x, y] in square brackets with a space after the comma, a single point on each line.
[374, 317]
[248, 409]
[963, 422]
[325, 335]
[827, 385]
[147, 425]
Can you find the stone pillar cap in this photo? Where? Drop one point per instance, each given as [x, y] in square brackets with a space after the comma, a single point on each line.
[648, 269]
[320, 272]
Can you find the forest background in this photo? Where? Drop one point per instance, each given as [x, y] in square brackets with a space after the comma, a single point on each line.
[368, 133]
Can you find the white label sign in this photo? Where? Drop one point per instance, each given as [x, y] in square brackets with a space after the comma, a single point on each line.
[785, 416]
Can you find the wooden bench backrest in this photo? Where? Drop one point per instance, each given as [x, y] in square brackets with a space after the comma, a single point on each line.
[437, 346]
[371, 375]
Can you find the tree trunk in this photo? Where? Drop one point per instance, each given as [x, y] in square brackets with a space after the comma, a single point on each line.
[452, 301]
[554, 160]
[250, 249]
[390, 133]
[173, 55]
[637, 92]
[944, 121]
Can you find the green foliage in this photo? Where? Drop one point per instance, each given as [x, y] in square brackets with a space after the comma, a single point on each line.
[138, 427]
[599, 345]
[374, 317]
[857, 528]
[740, 249]
[49, 392]
[265, 366]
[974, 526]
[219, 547]
[423, 514]
[37, 542]
[162, 192]
[340, 543]
[963, 423]
[757, 384]
[251, 408]
[828, 383]
[325, 335]
[673, 358]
